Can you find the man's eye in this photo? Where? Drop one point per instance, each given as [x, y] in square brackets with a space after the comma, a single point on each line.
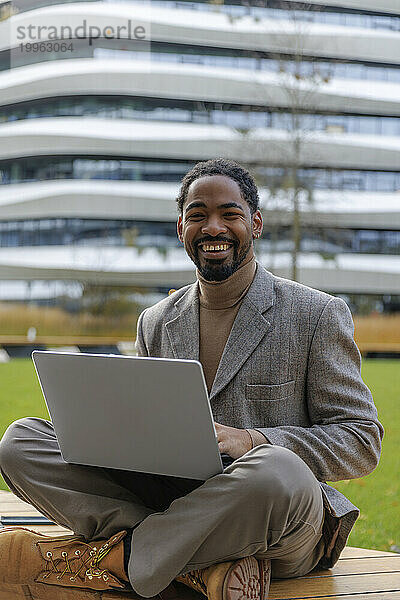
[231, 214]
[194, 216]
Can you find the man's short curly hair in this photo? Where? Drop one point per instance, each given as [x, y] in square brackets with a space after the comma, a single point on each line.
[221, 166]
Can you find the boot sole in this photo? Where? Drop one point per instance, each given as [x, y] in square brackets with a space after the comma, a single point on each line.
[247, 579]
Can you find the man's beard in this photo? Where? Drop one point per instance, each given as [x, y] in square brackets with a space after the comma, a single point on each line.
[216, 270]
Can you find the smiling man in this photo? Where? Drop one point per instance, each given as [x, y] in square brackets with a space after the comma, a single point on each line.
[291, 412]
[218, 226]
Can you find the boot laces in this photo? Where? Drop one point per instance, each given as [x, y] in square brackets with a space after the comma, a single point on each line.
[88, 560]
[196, 578]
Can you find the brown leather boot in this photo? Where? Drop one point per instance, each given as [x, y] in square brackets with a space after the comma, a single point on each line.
[27, 557]
[244, 579]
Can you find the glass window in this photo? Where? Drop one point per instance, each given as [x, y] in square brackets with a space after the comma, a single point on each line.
[190, 111]
[44, 168]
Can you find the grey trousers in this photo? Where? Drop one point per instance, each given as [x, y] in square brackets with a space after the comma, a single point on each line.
[266, 503]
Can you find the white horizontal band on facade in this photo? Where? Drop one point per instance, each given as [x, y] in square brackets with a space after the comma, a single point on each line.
[152, 201]
[349, 273]
[212, 28]
[192, 82]
[148, 201]
[107, 137]
[382, 6]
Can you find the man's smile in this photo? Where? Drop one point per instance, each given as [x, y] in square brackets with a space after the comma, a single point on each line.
[215, 249]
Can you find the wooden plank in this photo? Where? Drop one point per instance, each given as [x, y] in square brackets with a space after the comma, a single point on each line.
[353, 566]
[352, 552]
[373, 596]
[39, 591]
[75, 340]
[11, 506]
[315, 587]
[10, 510]
[360, 573]
[8, 497]
[378, 346]
[14, 503]
[51, 530]
[65, 340]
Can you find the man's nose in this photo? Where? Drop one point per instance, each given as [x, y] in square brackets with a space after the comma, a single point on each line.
[214, 226]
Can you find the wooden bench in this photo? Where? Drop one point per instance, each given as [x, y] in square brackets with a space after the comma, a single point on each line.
[359, 574]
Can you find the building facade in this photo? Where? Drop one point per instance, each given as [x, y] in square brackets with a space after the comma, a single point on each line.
[98, 127]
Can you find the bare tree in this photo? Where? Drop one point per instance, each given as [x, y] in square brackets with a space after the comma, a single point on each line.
[298, 79]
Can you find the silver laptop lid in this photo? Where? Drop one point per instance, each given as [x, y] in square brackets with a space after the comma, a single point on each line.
[140, 414]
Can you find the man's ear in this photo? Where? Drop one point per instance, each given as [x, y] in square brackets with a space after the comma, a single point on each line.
[179, 228]
[257, 224]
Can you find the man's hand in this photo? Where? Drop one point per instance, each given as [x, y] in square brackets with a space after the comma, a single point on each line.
[232, 441]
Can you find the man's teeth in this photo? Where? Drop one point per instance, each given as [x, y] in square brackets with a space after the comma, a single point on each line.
[209, 248]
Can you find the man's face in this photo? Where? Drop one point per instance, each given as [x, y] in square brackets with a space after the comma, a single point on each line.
[216, 227]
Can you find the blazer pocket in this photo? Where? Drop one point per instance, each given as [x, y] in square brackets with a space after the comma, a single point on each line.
[269, 392]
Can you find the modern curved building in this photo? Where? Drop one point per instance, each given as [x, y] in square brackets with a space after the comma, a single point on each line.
[98, 125]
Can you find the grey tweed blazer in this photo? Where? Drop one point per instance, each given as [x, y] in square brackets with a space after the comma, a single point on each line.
[290, 369]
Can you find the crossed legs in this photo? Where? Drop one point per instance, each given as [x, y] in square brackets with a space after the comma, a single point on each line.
[267, 504]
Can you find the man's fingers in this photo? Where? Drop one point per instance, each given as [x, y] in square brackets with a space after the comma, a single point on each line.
[221, 447]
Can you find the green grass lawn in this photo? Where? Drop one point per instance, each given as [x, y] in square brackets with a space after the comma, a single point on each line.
[377, 494]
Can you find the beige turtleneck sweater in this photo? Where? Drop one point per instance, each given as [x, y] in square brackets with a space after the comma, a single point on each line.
[219, 304]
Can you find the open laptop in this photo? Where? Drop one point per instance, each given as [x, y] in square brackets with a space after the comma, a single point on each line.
[140, 414]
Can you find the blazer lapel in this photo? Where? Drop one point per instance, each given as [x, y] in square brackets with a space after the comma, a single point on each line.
[183, 330]
[249, 328]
